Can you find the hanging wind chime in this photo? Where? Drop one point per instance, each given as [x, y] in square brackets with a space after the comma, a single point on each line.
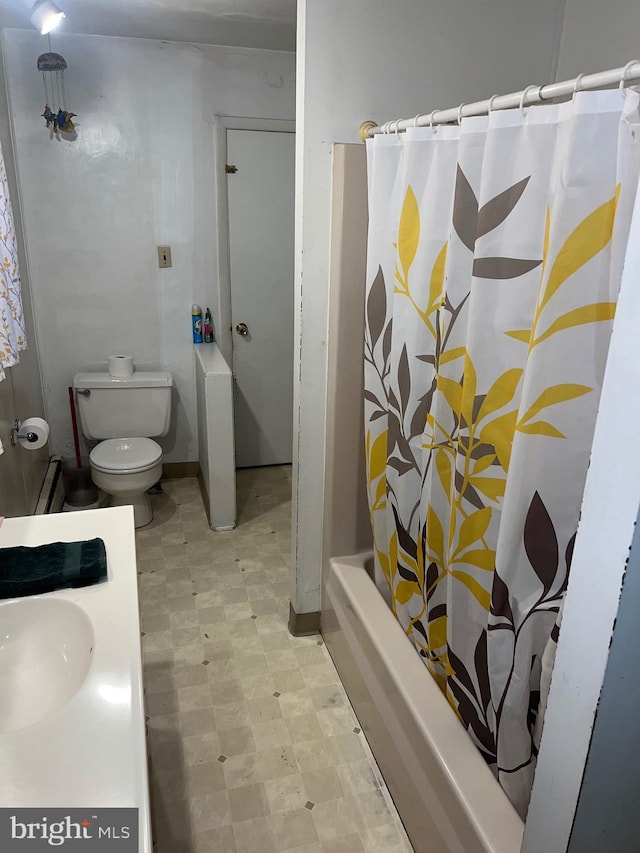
[56, 111]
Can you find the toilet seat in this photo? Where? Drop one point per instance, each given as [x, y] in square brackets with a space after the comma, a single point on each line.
[125, 455]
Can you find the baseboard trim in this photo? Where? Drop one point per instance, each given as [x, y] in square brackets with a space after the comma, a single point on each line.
[204, 495]
[175, 470]
[51, 496]
[303, 624]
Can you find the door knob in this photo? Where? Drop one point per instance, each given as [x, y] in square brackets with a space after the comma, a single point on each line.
[242, 329]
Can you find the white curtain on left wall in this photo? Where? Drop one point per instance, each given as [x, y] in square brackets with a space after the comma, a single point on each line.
[13, 338]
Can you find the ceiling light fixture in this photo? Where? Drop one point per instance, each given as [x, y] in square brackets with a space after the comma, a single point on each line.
[46, 16]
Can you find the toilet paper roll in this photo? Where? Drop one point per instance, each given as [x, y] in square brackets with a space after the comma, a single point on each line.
[33, 434]
[120, 366]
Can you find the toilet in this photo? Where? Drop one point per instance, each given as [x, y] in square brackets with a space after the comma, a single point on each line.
[123, 414]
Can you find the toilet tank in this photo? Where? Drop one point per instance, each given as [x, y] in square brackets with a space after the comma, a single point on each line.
[137, 406]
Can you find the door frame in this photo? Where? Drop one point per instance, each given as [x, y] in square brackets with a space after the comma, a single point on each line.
[221, 124]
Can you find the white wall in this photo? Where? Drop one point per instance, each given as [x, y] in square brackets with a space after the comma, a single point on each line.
[141, 173]
[598, 35]
[381, 59]
[21, 472]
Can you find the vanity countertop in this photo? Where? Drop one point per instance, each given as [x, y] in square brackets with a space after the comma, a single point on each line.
[92, 751]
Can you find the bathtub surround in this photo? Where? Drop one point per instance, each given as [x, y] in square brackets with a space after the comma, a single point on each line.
[140, 174]
[254, 747]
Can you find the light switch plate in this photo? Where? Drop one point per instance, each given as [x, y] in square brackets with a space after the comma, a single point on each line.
[164, 257]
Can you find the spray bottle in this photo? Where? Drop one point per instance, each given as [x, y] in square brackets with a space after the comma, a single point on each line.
[208, 327]
[196, 323]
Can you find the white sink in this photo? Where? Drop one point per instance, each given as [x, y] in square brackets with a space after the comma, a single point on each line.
[46, 649]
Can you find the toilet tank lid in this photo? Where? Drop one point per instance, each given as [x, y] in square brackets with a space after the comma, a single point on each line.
[140, 379]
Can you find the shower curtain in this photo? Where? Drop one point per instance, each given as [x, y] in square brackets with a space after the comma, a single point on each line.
[12, 331]
[494, 260]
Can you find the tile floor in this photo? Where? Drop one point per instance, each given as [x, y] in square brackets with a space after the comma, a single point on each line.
[254, 747]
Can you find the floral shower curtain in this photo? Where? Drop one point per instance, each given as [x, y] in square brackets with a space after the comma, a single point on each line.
[12, 330]
[494, 261]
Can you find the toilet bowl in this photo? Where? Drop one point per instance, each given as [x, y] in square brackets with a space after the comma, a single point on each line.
[125, 468]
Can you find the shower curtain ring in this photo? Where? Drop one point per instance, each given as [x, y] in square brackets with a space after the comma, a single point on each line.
[524, 97]
[460, 113]
[415, 121]
[625, 71]
[431, 118]
[577, 86]
[395, 125]
[491, 100]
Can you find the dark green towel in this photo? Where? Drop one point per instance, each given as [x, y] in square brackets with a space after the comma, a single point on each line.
[31, 571]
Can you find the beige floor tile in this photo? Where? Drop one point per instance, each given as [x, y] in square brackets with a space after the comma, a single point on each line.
[282, 660]
[161, 704]
[194, 698]
[251, 665]
[357, 777]
[322, 785]
[346, 844]
[295, 702]
[336, 721]
[197, 722]
[231, 715]
[292, 829]
[287, 680]
[184, 619]
[385, 839]
[237, 741]
[258, 686]
[219, 840]
[346, 747]
[188, 655]
[271, 734]
[254, 836]
[189, 676]
[286, 793]
[248, 802]
[313, 754]
[242, 770]
[275, 641]
[319, 675]
[276, 762]
[186, 636]
[227, 692]
[246, 645]
[264, 709]
[205, 777]
[374, 809]
[158, 622]
[202, 748]
[209, 810]
[336, 818]
[164, 728]
[304, 727]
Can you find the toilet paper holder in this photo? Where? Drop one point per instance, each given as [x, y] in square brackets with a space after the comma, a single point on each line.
[15, 434]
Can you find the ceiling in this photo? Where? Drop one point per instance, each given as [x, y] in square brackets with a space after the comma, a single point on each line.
[268, 24]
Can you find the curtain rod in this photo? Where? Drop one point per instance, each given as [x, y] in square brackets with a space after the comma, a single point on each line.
[531, 95]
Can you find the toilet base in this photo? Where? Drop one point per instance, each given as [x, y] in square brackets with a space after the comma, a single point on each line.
[142, 512]
[129, 489]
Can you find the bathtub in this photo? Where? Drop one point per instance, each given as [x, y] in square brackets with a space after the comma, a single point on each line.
[445, 793]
